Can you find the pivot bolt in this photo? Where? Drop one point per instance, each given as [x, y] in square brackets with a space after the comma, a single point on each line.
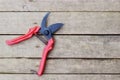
[46, 32]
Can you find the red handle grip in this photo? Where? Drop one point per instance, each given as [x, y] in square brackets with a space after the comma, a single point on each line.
[48, 48]
[28, 35]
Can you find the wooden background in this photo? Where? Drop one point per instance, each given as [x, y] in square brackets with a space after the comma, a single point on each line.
[86, 48]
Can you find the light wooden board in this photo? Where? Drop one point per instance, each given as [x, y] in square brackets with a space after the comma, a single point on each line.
[61, 65]
[60, 5]
[75, 22]
[78, 57]
[65, 47]
[58, 77]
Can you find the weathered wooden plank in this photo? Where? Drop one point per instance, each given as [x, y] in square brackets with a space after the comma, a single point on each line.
[61, 65]
[59, 5]
[74, 47]
[58, 77]
[75, 22]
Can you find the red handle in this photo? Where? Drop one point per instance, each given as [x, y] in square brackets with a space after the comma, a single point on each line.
[28, 35]
[48, 48]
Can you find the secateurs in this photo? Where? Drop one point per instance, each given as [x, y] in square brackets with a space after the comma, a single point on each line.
[48, 34]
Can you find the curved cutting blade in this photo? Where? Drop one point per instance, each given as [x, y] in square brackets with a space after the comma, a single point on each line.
[54, 27]
[44, 21]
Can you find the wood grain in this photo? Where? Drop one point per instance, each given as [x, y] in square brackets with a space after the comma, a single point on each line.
[61, 65]
[58, 77]
[75, 56]
[65, 47]
[74, 22]
[60, 5]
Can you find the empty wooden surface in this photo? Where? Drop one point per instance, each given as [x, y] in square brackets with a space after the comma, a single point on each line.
[86, 48]
[60, 5]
